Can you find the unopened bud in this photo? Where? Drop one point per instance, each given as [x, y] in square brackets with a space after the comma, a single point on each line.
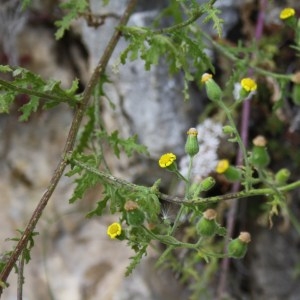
[207, 184]
[260, 156]
[282, 176]
[237, 248]
[207, 226]
[214, 92]
[192, 144]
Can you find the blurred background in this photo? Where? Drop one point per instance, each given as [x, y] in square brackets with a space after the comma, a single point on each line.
[73, 258]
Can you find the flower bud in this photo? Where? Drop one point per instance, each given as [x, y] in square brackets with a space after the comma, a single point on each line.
[192, 144]
[227, 129]
[282, 176]
[214, 92]
[130, 205]
[237, 248]
[233, 173]
[135, 217]
[207, 183]
[260, 157]
[207, 226]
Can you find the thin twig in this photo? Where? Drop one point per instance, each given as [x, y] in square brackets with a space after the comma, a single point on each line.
[182, 200]
[244, 135]
[79, 113]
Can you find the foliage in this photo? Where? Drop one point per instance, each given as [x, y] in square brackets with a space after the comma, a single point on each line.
[196, 228]
[28, 83]
[74, 8]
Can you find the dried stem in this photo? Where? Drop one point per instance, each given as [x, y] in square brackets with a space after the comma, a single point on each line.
[70, 141]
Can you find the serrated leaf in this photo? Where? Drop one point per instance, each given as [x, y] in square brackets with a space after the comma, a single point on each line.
[29, 108]
[98, 211]
[74, 9]
[6, 99]
[74, 87]
[129, 145]
[135, 260]
[85, 182]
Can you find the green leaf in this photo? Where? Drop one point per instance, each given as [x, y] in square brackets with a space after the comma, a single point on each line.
[6, 99]
[86, 134]
[129, 145]
[74, 87]
[98, 211]
[84, 183]
[85, 179]
[135, 260]
[74, 8]
[29, 108]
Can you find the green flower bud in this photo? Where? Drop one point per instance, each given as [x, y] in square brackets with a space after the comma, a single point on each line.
[207, 226]
[135, 217]
[192, 144]
[227, 129]
[233, 173]
[237, 248]
[282, 176]
[214, 92]
[207, 184]
[260, 156]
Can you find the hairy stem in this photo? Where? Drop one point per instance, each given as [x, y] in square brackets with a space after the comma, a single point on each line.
[183, 200]
[79, 113]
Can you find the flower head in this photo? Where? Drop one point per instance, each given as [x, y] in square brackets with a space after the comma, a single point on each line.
[114, 230]
[205, 77]
[192, 131]
[166, 160]
[287, 13]
[222, 166]
[248, 84]
[214, 92]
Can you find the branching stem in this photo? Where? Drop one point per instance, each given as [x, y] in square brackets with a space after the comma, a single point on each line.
[70, 141]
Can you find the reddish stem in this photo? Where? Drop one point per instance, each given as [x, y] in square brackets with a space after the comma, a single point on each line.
[239, 160]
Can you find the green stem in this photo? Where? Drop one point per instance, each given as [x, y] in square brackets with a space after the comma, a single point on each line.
[175, 27]
[187, 191]
[248, 181]
[186, 201]
[251, 65]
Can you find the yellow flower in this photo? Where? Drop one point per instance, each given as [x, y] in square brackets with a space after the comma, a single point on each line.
[222, 166]
[287, 13]
[248, 84]
[205, 77]
[166, 160]
[114, 230]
